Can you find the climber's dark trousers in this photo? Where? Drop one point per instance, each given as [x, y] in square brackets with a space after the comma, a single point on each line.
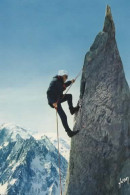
[68, 98]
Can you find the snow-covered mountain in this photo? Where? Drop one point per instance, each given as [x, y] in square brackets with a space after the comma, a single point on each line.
[11, 131]
[28, 166]
[64, 144]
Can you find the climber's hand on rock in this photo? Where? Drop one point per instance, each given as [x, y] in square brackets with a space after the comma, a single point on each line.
[73, 80]
[55, 104]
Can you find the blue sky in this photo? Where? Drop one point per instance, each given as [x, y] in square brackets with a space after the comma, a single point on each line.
[39, 37]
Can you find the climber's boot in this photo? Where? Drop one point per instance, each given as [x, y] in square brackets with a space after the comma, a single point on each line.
[74, 109]
[72, 133]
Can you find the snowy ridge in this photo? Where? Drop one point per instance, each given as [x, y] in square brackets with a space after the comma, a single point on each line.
[13, 130]
[28, 166]
[64, 143]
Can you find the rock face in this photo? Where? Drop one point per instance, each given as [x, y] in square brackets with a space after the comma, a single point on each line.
[100, 153]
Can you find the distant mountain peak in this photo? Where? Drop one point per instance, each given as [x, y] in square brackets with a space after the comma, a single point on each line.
[64, 143]
[13, 131]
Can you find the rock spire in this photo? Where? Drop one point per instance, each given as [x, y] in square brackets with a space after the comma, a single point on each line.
[100, 152]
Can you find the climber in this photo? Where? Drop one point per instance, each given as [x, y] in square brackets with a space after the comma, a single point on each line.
[55, 98]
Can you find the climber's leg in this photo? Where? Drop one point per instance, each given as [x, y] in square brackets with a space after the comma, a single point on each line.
[62, 116]
[64, 121]
[68, 98]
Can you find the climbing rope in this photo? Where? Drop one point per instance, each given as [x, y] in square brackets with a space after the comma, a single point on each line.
[72, 83]
[58, 132]
[58, 152]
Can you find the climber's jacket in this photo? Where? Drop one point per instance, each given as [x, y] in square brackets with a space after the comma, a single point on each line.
[56, 88]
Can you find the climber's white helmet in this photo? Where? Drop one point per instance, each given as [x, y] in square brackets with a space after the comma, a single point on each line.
[62, 72]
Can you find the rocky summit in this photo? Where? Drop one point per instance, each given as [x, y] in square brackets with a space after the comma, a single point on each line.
[100, 153]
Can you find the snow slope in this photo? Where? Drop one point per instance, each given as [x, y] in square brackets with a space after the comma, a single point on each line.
[64, 143]
[28, 166]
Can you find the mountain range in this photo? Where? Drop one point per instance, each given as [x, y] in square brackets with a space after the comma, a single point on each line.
[29, 166]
